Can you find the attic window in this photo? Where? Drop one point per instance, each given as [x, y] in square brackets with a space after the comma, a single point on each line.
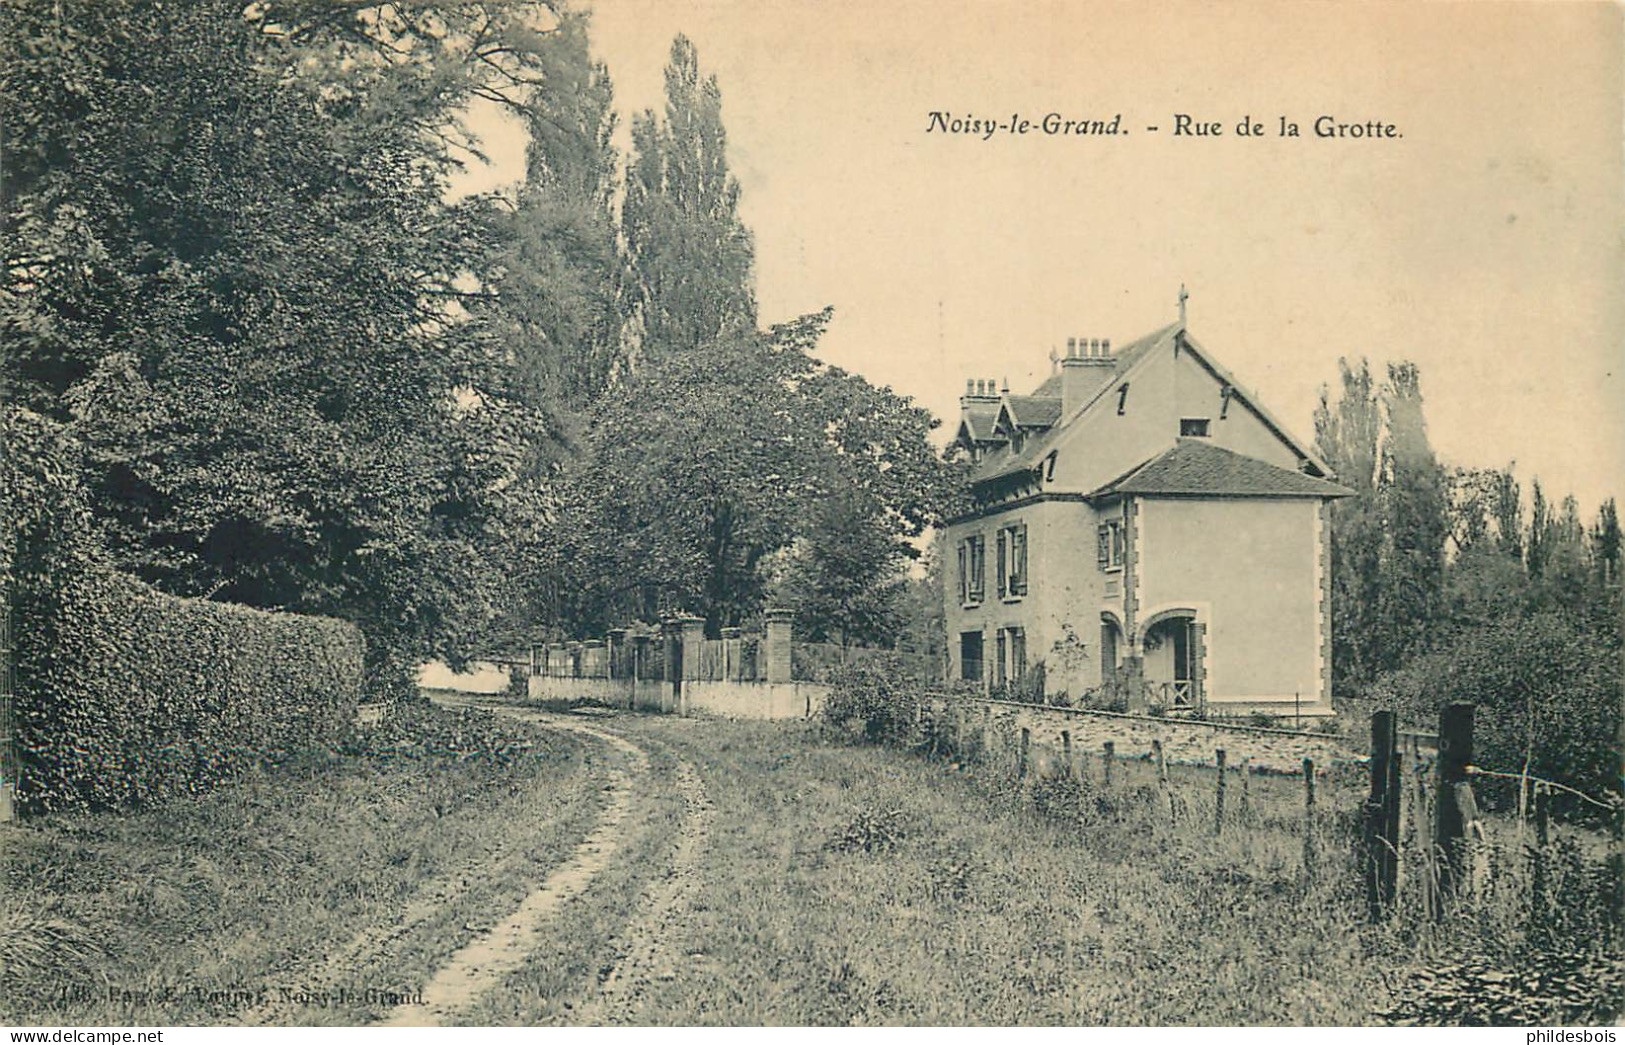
[1122, 398]
[1193, 426]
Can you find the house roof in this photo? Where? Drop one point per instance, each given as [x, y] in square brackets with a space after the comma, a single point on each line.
[1033, 411]
[1051, 388]
[1196, 468]
[1005, 462]
[978, 421]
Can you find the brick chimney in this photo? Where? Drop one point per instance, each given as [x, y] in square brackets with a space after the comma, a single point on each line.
[1085, 370]
[978, 391]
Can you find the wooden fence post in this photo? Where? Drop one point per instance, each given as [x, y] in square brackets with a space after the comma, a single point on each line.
[1450, 801]
[1422, 829]
[1246, 768]
[1543, 826]
[1382, 819]
[1162, 777]
[1021, 759]
[1309, 852]
[1110, 750]
[1218, 798]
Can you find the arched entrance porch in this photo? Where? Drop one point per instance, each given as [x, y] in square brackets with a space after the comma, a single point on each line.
[1173, 648]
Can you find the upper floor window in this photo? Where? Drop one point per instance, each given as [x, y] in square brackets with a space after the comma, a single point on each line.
[972, 568]
[1012, 561]
[1193, 426]
[1110, 544]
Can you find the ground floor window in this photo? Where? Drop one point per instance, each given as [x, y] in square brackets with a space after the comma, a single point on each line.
[1010, 653]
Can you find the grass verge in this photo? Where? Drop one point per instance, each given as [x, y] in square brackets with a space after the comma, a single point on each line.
[354, 870]
[859, 885]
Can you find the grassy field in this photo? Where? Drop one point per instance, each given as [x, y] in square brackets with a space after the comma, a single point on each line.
[861, 885]
[359, 870]
[825, 883]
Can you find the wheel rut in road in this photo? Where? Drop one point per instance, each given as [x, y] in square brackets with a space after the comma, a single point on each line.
[483, 963]
[646, 950]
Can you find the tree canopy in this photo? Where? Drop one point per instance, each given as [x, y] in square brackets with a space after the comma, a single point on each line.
[233, 269]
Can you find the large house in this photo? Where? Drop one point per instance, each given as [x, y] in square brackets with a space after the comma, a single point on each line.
[1147, 532]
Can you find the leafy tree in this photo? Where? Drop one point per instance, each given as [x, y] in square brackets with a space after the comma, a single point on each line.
[843, 577]
[1542, 531]
[701, 470]
[1347, 436]
[691, 255]
[1604, 541]
[1547, 690]
[232, 268]
[1411, 505]
[1506, 507]
[558, 279]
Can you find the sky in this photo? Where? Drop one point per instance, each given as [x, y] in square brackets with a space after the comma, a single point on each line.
[1482, 241]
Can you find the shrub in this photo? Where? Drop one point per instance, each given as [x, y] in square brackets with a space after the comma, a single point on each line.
[1546, 686]
[125, 695]
[879, 701]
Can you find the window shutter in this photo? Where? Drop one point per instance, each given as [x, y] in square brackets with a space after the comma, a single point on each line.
[1103, 551]
[1018, 568]
[964, 575]
[1003, 574]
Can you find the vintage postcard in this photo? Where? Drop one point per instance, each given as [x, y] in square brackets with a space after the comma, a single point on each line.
[665, 513]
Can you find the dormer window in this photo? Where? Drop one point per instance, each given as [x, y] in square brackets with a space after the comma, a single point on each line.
[1194, 426]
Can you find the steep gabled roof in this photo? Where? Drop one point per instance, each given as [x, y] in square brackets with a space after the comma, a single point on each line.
[1002, 463]
[978, 420]
[1197, 468]
[1033, 411]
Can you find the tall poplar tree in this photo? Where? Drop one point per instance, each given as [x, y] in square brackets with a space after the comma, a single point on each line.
[691, 255]
[233, 270]
[559, 275]
[1347, 435]
[1414, 512]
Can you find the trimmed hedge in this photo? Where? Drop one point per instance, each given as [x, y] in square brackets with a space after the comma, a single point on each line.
[124, 695]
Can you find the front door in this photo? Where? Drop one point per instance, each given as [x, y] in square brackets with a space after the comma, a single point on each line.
[1184, 663]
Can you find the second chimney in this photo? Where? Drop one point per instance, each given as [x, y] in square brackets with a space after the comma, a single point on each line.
[1087, 368]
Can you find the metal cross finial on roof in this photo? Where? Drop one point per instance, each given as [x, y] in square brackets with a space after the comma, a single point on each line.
[1183, 294]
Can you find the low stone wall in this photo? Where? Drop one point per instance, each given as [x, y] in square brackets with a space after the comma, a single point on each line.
[643, 694]
[647, 694]
[755, 700]
[1184, 741]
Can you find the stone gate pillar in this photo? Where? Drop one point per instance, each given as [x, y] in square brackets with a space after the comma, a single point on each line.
[616, 653]
[776, 644]
[693, 639]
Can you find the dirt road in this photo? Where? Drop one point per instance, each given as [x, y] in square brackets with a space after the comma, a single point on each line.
[643, 944]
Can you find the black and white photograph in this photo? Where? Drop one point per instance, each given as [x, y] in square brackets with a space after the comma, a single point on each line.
[713, 513]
